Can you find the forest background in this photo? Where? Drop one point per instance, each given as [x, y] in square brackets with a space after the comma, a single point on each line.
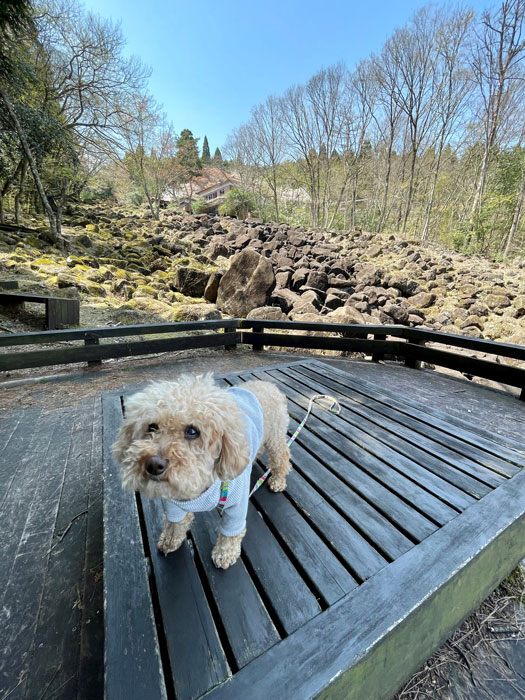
[424, 138]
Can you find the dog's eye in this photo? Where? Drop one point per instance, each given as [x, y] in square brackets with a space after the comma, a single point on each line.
[152, 428]
[190, 433]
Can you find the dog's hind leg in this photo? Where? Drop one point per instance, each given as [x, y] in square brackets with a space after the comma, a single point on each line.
[279, 463]
[174, 534]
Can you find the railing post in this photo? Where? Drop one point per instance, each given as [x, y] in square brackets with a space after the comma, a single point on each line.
[92, 340]
[231, 328]
[258, 345]
[378, 356]
[411, 361]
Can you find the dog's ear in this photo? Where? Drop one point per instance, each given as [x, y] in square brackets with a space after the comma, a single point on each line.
[123, 441]
[234, 455]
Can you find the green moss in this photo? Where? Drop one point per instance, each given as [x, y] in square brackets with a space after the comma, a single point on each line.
[145, 290]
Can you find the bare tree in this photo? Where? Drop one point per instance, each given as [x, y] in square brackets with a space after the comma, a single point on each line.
[267, 135]
[451, 92]
[497, 71]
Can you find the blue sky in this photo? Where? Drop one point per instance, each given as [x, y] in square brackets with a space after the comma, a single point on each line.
[212, 61]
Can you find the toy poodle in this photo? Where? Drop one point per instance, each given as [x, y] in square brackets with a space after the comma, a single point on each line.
[192, 443]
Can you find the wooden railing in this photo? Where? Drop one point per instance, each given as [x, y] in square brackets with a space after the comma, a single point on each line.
[400, 342]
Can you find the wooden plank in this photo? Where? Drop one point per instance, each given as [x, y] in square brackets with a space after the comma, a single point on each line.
[359, 555]
[133, 667]
[340, 473]
[489, 453]
[410, 608]
[234, 593]
[277, 575]
[323, 343]
[17, 449]
[197, 660]
[454, 488]
[81, 334]
[516, 352]
[317, 561]
[365, 517]
[349, 328]
[513, 450]
[361, 558]
[401, 512]
[393, 449]
[91, 671]
[59, 618]
[63, 356]
[436, 443]
[29, 522]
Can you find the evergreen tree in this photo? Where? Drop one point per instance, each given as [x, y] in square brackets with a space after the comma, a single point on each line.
[217, 158]
[187, 153]
[206, 157]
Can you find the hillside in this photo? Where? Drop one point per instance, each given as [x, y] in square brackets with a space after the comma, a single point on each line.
[128, 268]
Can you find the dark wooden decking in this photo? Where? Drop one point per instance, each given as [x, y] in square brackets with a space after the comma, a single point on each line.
[392, 513]
[51, 553]
[51, 613]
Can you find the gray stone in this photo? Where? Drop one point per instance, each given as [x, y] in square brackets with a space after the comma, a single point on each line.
[271, 313]
[246, 285]
[212, 287]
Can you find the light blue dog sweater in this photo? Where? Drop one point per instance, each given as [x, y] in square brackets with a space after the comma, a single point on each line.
[233, 519]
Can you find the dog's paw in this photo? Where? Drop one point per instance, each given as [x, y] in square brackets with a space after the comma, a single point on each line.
[227, 550]
[168, 542]
[174, 534]
[277, 483]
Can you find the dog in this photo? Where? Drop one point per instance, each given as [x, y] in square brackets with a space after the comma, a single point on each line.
[192, 443]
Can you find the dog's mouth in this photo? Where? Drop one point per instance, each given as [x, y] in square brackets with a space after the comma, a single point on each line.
[155, 477]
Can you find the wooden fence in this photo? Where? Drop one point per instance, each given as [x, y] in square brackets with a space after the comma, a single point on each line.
[398, 342]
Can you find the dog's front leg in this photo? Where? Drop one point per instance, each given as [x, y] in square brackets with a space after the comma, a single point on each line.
[174, 534]
[227, 550]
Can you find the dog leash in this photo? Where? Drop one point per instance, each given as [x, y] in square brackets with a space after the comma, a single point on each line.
[334, 407]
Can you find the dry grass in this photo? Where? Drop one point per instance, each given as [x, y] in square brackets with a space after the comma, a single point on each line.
[476, 653]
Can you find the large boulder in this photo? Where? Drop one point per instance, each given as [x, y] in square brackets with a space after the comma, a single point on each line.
[246, 285]
[346, 314]
[270, 313]
[190, 281]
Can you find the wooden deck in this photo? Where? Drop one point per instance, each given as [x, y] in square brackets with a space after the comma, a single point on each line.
[51, 553]
[51, 537]
[398, 519]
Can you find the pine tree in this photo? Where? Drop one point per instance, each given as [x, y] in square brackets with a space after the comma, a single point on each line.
[206, 157]
[188, 154]
[217, 158]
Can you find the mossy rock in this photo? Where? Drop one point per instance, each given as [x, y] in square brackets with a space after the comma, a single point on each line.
[92, 227]
[122, 274]
[34, 242]
[145, 290]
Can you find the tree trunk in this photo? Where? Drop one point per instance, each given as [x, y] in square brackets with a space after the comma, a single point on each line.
[385, 193]
[20, 191]
[410, 189]
[424, 234]
[517, 215]
[55, 232]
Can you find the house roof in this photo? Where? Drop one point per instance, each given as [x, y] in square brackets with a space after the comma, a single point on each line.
[209, 178]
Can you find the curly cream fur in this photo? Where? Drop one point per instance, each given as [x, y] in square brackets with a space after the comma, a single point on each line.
[220, 451]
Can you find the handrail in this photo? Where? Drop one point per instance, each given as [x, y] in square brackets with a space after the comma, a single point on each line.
[39, 337]
[406, 343]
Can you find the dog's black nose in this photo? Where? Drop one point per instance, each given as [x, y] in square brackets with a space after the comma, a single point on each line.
[157, 465]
